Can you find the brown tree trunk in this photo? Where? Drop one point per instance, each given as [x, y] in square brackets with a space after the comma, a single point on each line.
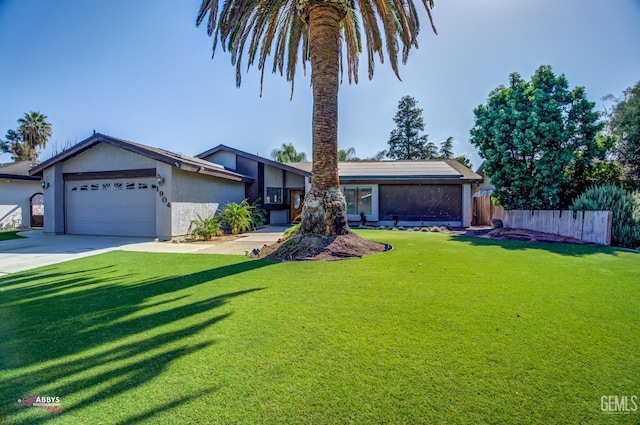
[324, 211]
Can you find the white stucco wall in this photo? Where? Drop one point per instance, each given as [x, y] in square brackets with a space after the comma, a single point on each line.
[194, 194]
[224, 158]
[15, 208]
[104, 157]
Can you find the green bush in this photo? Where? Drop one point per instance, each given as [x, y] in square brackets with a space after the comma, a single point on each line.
[258, 215]
[237, 217]
[206, 228]
[625, 229]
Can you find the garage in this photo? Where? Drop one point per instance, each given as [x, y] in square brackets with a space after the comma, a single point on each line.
[115, 207]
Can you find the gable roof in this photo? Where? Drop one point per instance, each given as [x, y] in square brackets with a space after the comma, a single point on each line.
[178, 160]
[283, 166]
[436, 169]
[18, 170]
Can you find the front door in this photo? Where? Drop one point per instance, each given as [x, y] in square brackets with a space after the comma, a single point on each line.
[295, 205]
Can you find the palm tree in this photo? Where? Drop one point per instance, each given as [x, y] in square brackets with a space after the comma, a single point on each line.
[288, 153]
[323, 32]
[347, 155]
[35, 131]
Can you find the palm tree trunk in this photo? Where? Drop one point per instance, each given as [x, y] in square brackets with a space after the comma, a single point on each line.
[324, 211]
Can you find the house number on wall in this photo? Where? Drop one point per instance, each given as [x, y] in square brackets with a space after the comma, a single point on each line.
[164, 198]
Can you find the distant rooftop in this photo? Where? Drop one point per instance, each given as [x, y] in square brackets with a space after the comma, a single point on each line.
[429, 169]
[17, 170]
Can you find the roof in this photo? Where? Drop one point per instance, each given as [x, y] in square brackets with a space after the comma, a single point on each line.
[440, 169]
[289, 166]
[178, 160]
[18, 170]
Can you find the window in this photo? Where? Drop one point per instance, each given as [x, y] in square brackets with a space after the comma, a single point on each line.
[143, 186]
[106, 186]
[95, 187]
[274, 195]
[131, 186]
[358, 199]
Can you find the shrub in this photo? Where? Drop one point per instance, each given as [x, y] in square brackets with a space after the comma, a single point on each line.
[258, 215]
[625, 229]
[206, 228]
[237, 217]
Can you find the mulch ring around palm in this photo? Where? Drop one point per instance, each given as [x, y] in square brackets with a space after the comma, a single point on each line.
[313, 247]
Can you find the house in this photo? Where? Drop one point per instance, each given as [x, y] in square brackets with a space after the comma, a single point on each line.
[21, 200]
[109, 186]
[407, 193]
[279, 187]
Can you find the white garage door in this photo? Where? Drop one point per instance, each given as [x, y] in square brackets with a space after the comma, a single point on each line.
[118, 207]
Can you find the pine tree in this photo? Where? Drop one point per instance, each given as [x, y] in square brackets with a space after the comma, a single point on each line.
[405, 142]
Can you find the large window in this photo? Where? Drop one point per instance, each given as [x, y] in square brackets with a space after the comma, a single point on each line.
[274, 195]
[358, 199]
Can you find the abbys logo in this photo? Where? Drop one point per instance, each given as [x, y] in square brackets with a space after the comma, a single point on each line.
[620, 404]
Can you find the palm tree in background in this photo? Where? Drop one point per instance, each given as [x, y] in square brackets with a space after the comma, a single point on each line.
[288, 153]
[347, 155]
[35, 131]
[324, 33]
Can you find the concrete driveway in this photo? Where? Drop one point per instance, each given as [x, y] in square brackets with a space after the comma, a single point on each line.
[38, 249]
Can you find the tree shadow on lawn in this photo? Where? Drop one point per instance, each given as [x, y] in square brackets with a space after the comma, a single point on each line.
[46, 331]
[568, 249]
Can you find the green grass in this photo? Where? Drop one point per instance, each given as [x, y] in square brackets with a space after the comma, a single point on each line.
[440, 330]
[9, 234]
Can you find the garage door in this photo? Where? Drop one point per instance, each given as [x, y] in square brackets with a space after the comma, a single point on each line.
[118, 207]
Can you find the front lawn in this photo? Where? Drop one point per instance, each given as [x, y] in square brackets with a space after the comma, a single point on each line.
[440, 330]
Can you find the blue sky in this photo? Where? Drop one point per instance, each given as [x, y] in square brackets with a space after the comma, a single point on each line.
[141, 70]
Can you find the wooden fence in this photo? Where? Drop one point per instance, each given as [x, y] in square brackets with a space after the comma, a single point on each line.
[588, 226]
[484, 211]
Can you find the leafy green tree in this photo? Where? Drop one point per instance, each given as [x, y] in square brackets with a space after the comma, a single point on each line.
[406, 142]
[532, 134]
[446, 148]
[324, 33]
[625, 126]
[462, 159]
[288, 153]
[25, 142]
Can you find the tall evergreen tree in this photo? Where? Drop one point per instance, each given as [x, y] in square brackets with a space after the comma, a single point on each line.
[406, 142]
[446, 148]
[625, 126]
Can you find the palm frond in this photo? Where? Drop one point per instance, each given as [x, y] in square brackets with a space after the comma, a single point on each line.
[275, 28]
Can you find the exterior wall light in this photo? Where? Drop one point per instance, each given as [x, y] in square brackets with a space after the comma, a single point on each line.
[45, 185]
[160, 180]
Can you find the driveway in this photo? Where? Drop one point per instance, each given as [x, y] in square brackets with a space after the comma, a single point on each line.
[38, 249]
